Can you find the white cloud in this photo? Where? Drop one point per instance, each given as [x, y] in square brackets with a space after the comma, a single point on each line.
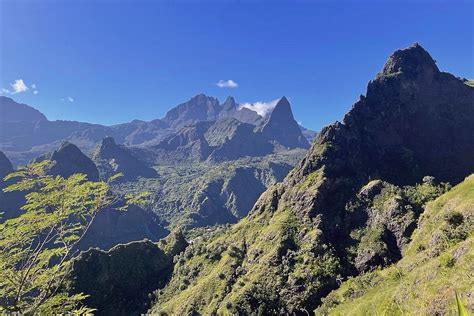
[262, 108]
[19, 86]
[68, 99]
[227, 84]
[33, 86]
[5, 91]
[35, 92]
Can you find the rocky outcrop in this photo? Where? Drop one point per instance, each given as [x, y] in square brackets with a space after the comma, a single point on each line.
[68, 160]
[281, 127]
[199, 108]
[119, 281]
[112, 159]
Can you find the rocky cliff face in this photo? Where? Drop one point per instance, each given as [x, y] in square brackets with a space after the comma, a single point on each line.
[301, 235]
[282, 127]
[112, 158]
[199, 108]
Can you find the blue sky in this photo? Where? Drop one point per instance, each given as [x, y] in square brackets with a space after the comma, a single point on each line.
[113, 61]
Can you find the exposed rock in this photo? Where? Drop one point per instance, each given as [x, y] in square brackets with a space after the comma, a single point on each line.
[112, 158]
[68, 160]
[199, 108]
[282, 127]
[414, 121]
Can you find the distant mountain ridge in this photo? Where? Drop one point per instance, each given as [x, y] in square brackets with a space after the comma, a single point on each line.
[25, 133]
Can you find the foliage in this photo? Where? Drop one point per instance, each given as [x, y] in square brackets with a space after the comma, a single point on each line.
[37, 248]
[436, 264]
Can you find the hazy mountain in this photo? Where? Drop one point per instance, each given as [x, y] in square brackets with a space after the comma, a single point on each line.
[10, 111]
[282, 127]
[317, 227]
[68, 160]
[5, 166]
[112, 159]
[199, 108]
[25, 133]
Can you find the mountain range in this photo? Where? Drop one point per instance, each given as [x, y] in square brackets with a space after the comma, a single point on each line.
[375, 216]
[25, 133]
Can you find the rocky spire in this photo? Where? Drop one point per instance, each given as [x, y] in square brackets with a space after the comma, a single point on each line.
[282, 127]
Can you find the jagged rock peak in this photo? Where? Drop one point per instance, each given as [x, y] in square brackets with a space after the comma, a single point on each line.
[282, 127]
[229, 104]
[412, 61]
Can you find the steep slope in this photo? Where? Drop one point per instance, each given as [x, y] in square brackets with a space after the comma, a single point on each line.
[203, 193]
[68, 160]
[436, 263]
[10, 111]
[112, 158]
[297, 243]
[10, 202]
[5, 166]
[119, 281]
[111, 227]
[230, 109]
[199, 108]
[282, 127]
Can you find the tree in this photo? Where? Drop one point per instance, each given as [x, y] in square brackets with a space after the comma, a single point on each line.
[37, 248]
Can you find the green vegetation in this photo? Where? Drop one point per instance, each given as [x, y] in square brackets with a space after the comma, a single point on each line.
[183, 191]
[435, 264]
[37, 247]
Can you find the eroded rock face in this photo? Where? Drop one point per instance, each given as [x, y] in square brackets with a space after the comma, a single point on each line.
[112, 158]
[282, 127]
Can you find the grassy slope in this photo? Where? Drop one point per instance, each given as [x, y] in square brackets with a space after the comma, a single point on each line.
[438, 262]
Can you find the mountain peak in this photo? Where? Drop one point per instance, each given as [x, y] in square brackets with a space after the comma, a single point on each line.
[229, 104]
[68, 160]
[412, 61]
[11, 111]
[282, 127]
[282, 110]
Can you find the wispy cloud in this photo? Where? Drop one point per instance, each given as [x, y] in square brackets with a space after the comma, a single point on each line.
[19, 86]
[262, 108]
[68, 99]
[227, 84]
[35, 92]
[4, 91]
